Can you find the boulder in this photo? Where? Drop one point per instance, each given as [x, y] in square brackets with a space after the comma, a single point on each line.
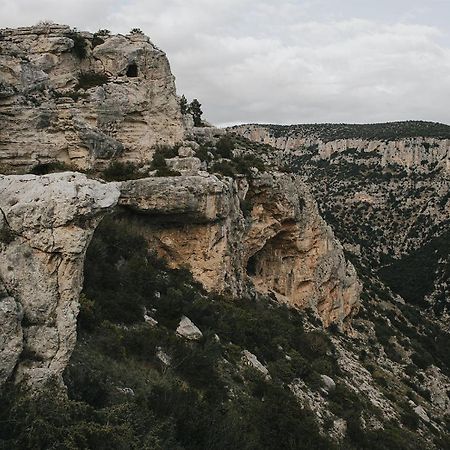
[188, 330]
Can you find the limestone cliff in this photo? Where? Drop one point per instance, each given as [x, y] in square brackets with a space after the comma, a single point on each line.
[82, 98]
[417, 153]
[46, 224]
[280, 246]
[281, 243]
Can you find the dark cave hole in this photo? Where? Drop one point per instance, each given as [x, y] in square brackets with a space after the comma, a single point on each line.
[251, 265]
[132, 71]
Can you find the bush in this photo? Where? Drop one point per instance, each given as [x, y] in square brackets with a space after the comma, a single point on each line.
[79, 44]
[87, 80]
[121, 171]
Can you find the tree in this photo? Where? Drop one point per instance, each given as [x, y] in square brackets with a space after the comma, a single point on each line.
[196, 111]
[184, 105]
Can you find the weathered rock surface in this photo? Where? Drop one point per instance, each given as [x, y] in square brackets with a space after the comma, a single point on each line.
[282, 244]
[249, 359]
[83, 99]
[415, 153]
[46, 225]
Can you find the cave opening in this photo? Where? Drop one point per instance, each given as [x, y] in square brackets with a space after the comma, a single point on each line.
[132, 71]
[251, 265]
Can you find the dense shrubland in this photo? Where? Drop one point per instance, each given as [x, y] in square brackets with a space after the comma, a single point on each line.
[122, 395]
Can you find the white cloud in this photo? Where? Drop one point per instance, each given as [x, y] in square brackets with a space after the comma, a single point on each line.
[286, 62]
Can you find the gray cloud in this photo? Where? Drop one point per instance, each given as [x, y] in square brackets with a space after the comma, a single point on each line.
[284, 62]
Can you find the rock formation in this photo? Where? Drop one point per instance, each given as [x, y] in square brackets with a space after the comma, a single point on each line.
[85, 100]
[82, 98]
[46, 224]
[281, 244]
[412, 153]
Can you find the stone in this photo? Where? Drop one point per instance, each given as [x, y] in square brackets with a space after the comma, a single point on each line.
[186, 152]
[11, 335]
[188, 330]
[420, 411]
[163, 357]
[328, 383]
[186, 166]
[250, 359]
[150, 320]
[51, 221]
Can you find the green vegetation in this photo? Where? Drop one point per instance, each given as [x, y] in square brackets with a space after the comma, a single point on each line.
[122, 394]
[121, 171]
[159, 163]
[51, 167]
[79, 44]
[87, 80]
[381, 131]
[413, 277]
[184, 105]
[195, 108]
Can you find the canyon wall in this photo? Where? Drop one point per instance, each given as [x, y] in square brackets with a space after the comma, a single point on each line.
[420, 154]
[46, 224]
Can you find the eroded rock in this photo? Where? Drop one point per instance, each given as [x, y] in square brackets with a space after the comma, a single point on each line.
[114, 98]
[189, 330]
[50, 221]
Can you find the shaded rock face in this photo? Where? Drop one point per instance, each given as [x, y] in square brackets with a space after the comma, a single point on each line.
[281, 243]
[83, 99]
[46, 224]
[292, 253]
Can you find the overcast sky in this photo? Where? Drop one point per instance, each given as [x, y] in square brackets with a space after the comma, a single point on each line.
[283, 61]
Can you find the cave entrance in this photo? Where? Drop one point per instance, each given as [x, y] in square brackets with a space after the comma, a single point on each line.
[132, 71]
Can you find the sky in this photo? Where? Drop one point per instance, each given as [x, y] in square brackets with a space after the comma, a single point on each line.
[285, 61]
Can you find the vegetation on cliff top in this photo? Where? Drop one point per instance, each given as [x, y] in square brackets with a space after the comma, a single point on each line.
[381, 131]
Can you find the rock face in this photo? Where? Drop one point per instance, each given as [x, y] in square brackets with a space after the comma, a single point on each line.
[83, 99]
[225, 231]
[281, 243]
[420, 154]
[46, 225]
[292, 253]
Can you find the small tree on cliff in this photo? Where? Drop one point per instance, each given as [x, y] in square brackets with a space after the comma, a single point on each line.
[195, 108]
[184, 105]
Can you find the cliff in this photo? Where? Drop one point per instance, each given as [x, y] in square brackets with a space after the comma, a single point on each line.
[282, 247]
[81, 98]
[413, 151]
[46, 224]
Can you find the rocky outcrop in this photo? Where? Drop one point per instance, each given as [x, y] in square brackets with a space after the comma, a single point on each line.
[82, 99]
[228, 232]
[292, 253]
[46, 224]
[420, 154]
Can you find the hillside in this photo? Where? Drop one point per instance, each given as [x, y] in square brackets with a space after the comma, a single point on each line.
[171, 286]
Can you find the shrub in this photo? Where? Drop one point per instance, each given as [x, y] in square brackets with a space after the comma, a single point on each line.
[87, 80]
[79, 44]
[120, 171]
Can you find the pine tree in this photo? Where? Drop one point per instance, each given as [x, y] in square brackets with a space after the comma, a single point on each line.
[196, 111]
[184, 105]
